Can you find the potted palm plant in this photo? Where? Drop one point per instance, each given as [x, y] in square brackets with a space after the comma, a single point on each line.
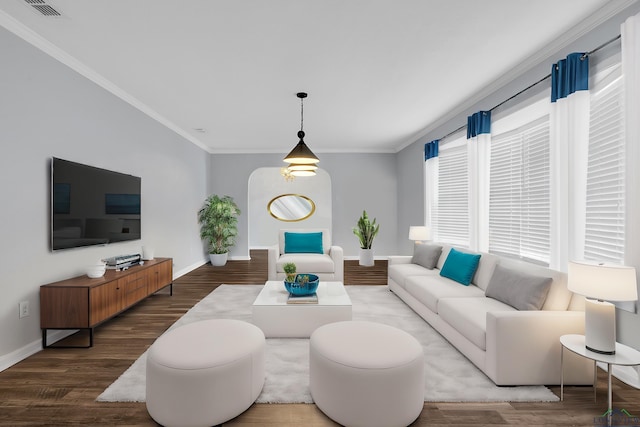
[218, 220]
[366, 231]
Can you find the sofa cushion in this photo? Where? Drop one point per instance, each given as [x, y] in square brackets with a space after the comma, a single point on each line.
[400, 272]
[460, 266]
[326, 237]
[559, 295]
[485, 266]
[426, 255]
[430, 289]
[468, 316]
[297, 243]
[307, 263]
[518, 289]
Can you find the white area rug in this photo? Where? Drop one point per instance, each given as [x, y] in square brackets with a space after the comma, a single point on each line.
[449, 376]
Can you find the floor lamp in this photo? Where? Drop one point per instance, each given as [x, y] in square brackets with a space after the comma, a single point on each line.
[601, 283]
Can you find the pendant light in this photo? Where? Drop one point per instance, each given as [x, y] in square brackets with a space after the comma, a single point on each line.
[302, 161]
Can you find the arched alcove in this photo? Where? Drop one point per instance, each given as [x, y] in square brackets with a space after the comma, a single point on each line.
[265, 184]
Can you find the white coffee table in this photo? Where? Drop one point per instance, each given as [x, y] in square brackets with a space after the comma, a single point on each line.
[277, 319]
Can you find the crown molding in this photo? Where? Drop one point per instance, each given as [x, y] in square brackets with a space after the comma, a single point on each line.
[606, 12]
[35, 39]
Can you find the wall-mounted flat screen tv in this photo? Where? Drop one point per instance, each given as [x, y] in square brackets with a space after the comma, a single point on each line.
[92, 206]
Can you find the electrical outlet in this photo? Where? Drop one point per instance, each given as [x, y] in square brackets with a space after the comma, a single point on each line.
[24, 309]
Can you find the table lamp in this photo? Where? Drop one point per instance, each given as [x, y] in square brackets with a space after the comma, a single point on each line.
[601, 283]
[419, 233]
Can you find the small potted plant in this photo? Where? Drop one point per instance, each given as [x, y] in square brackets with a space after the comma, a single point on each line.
[290, 270]
[366, 231]
[218, 220]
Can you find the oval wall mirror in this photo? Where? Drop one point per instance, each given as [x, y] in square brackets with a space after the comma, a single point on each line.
[291, 207]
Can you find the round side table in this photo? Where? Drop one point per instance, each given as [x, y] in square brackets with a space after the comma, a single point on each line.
[624, 356]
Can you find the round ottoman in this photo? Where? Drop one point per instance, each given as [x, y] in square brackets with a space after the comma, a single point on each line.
[205, 373]
[366, 374]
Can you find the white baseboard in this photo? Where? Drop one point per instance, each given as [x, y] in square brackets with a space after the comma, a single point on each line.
[8, 360]
[189, 268]
[16, 356]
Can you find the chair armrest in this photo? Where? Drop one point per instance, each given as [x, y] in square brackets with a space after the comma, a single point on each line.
[523, 347]
[337, 255]
[400, 259]
[272, 259]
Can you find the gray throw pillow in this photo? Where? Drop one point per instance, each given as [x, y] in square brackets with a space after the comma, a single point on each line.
[426, 255]
[517, 289]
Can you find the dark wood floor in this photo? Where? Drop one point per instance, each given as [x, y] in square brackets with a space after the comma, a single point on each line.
[59, 386]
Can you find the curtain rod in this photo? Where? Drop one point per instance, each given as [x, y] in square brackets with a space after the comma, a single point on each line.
[586, 54]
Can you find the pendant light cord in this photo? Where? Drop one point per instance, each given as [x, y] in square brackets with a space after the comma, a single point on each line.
[301, 113]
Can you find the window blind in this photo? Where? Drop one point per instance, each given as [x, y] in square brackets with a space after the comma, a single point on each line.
[519, 205]
[451, 216]
[605, 218]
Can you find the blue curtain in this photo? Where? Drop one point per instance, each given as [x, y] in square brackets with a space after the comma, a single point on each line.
[569, 75]
[431, 149]
[478, 123]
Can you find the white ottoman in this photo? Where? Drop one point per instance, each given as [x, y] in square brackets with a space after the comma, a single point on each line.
[366, 374]
[205, 373]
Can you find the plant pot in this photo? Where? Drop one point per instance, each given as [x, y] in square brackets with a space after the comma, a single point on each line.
[218, 260]
[300, 289]
[366, 257]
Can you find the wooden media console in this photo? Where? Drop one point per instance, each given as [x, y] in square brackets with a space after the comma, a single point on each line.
[84, 303]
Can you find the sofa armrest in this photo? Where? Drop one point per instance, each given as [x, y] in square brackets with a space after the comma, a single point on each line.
[400, 259]
[272, 258]
[337, 255]
[523, 347]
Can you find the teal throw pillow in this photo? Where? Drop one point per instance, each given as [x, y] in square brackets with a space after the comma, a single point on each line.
[460, 266]
[303, 243]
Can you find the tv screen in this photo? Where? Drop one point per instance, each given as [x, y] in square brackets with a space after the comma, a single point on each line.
[92, 206]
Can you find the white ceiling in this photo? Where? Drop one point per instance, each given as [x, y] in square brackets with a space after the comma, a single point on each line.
[379, 73]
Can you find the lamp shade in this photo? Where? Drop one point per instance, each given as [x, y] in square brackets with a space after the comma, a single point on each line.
[301, 154]
[419, 232]
[606, 282]
[302, 167]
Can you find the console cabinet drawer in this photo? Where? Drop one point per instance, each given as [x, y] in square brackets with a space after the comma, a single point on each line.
[106, 301]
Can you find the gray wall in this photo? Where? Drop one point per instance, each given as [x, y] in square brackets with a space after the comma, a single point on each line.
[359, 181]
[48, 110]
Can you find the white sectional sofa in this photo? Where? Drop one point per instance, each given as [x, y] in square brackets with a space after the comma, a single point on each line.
[511, 346]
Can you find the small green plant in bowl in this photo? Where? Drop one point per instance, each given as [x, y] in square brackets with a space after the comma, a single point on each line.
[305, 284]
[290, 270]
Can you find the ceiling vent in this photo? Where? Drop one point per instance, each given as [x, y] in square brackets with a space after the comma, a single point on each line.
[43, 8]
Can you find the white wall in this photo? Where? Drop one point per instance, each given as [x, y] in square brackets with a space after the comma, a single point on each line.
[267, 183]
[48, 110]
[359, 181]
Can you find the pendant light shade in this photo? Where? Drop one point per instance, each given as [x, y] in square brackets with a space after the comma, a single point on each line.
[303, 172]
[301, 154]
[302, 167]
[299, 169]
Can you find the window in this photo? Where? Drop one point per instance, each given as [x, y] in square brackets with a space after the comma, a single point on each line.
[519, 205]
[451, 215]
[605, 218]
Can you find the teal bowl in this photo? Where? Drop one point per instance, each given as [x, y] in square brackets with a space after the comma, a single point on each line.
[298, 289]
